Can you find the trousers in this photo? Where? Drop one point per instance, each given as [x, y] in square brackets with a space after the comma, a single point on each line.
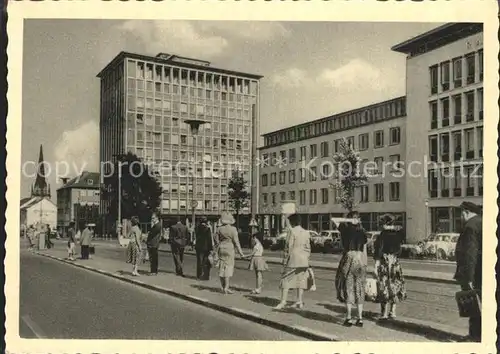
[178, 254]
[202, 265]
[153, 259]
[85, 252]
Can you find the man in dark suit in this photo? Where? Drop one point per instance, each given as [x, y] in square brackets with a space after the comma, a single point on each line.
[203, 247]
[179, 237]
[469, 258]
[153, 242]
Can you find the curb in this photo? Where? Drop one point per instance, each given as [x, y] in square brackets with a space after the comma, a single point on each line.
[244, 314]
[412, 277]
[398, 323]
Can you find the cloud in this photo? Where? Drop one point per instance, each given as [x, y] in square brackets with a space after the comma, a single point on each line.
[179, 37]
[255, 30]
[79, 148]
[291, 78]
[355, 74]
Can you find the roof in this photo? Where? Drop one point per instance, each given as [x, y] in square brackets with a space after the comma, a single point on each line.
[163, 58]
[29, 202]
[438, 37]
[82, 181]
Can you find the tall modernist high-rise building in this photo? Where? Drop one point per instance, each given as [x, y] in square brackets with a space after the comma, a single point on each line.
[444, 74]
[145, 103]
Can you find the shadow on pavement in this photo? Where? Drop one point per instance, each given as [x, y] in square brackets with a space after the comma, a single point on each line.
[264, 300]
[172, 272]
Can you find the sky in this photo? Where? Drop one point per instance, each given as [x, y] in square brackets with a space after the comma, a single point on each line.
[311, 70]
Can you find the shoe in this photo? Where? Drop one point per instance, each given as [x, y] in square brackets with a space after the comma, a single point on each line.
[280, 306]
[359, 323]
[228, 291]
[299, 305]
[383, 318]
[256, 291]
[348, 322]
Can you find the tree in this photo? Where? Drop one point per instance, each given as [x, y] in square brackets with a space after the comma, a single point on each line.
[238, 194]
[141, 192]
[347, 176]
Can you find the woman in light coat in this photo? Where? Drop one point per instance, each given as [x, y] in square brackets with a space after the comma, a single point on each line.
[295, 262]
[134, 248]
[226, 240]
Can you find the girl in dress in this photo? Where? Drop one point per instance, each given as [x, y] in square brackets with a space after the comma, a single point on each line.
[257, 262]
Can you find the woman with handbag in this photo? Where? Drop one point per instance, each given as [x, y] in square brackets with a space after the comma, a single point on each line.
[388, 271]
[351, 273]
[134, 248]
[226, 241]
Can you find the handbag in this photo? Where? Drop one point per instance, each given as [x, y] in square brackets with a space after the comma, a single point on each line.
[91, 250]
[311, 283]
[469, 303]
[371, 289]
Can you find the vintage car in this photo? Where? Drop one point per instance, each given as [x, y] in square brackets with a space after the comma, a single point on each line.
[441, 245]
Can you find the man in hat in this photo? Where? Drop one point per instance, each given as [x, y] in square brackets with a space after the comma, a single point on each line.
[203, 247]
[153, 242]
[179, 237]
[469, 258]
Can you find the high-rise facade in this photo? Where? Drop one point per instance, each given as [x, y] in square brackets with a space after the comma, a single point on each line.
[297, 164]
[145, 103]
[444, 76]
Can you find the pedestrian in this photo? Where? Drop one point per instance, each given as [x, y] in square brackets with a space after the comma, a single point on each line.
[295, 273]
[388, 271]
[351, 272]
[134, 248]
[226, 240]
[71, 241]
[48, 243]
[31, 237]
[153, 243]
[257, 261]
[179, 238]
[203, 246]
[469, 259]
[85, 242]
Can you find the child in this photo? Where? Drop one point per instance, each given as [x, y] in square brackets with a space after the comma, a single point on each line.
[257, 262]
[71, 241]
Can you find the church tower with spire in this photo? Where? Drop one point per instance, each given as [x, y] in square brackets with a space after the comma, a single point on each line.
[40, 188]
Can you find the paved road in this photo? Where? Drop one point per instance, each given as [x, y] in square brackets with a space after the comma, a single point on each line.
[57, 301]
[426, 301]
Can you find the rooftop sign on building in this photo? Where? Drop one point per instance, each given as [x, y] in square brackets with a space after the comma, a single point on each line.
[178, 59]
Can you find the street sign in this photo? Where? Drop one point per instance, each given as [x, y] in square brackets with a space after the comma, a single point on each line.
[194, 203]
[253, 222]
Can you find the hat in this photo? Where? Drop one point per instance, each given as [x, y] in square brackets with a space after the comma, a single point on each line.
[226, 219]
[203, 220]
[387, 219]
[474, 208]
[134, 219]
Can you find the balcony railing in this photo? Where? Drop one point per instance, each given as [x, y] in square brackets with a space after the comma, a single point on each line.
[457, 82]
[445, 157]
[457, 119]
[457, 156]
[481, 115]
[434, 124]
[446, 122]
[445, 86]
[469, 117]
[445, 193]
[469, 192]
[470, 79]
[434, 158]
[433, 193]
[434, 90]
[457, 192]
[469, 154]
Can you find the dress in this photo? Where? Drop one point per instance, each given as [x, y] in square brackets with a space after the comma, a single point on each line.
[226, 239]
[258, 262]
[390, 281]
[296, 263]
[133, 253]
[351, 273]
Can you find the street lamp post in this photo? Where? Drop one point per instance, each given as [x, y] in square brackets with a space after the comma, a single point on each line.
[194, 125]
[119, 225]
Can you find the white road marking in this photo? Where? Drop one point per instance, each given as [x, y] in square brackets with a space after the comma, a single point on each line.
[37, 331]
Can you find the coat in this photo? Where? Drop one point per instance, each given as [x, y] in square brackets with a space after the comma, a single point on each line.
[179, 235]
[297, 248]
[203, 238]
[154, 236]
[86, 237]
[468, 253]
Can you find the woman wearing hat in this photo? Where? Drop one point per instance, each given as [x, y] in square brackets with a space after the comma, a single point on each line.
[388, 271]
[134, 247]
[226, 240]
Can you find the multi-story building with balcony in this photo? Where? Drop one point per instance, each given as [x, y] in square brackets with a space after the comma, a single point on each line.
[300, 166]
[444, 76]
[145, 103]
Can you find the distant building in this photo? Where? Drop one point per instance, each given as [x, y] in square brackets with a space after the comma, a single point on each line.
[145, 102]
[78, 200]
[38, 208]
[376, 131]
[444, 74]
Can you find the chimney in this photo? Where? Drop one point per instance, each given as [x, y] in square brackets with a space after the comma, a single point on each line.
[64, 180]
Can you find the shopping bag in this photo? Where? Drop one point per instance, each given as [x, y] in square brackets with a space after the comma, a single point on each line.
[145, 255]
[311, 282]
[371, 289]
[469, 303]
[213, 258]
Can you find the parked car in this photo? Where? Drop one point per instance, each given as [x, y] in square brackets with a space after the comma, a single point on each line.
[331, 243]
[372, 237]
[441, 245]
[279, 243]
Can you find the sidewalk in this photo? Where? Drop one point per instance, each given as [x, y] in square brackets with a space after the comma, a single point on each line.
[439, 277]
[318, 321]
